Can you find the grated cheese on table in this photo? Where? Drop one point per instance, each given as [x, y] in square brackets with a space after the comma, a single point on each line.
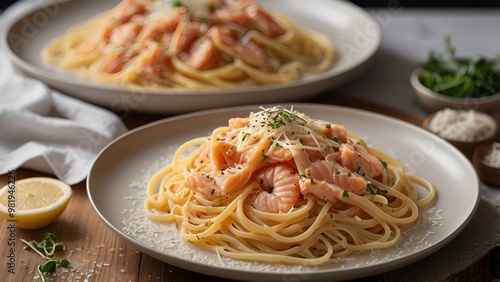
[459, 125]
[493, 156]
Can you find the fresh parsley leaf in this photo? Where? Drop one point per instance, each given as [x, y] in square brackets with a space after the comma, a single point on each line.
[446, 74]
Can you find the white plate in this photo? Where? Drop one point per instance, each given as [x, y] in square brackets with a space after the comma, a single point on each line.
[131, 158]
[351, 29]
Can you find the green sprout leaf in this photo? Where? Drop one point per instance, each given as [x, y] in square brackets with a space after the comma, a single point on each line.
[46, 249]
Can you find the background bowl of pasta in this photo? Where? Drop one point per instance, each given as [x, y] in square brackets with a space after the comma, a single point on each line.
[334, 20]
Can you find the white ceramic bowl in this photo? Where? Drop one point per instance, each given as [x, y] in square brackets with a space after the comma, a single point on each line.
[433, 101]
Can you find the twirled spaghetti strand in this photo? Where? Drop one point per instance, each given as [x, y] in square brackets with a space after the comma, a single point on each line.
[252, 219]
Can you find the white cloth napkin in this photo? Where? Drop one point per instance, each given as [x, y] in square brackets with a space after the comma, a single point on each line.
[47, 131]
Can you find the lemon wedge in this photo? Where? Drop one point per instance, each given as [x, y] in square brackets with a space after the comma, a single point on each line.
[35, 202]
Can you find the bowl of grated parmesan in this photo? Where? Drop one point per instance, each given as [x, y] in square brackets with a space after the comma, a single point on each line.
[486, 160]
[465, 129]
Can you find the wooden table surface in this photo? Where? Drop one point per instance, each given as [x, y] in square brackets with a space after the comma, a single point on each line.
[98, 254]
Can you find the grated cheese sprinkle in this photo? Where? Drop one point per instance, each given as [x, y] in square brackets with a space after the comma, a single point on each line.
[459, 125]
[493, 156]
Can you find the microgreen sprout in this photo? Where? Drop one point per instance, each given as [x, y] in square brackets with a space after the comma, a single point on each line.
[46, 249]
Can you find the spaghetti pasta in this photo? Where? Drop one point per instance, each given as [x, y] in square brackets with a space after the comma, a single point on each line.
[281, 187]
[191, 44]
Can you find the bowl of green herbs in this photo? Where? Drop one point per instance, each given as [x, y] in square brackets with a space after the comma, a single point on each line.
[445, 81]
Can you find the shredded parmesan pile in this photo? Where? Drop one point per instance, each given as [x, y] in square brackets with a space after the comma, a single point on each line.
[459, 125]
[493, 156]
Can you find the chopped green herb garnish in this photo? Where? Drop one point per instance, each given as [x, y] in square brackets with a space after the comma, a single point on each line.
[177, 3]
[204, 20]
[374, 190]
[384, 164]
[211, 7]
[279, 117]
[345, 194]
[245, 136]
